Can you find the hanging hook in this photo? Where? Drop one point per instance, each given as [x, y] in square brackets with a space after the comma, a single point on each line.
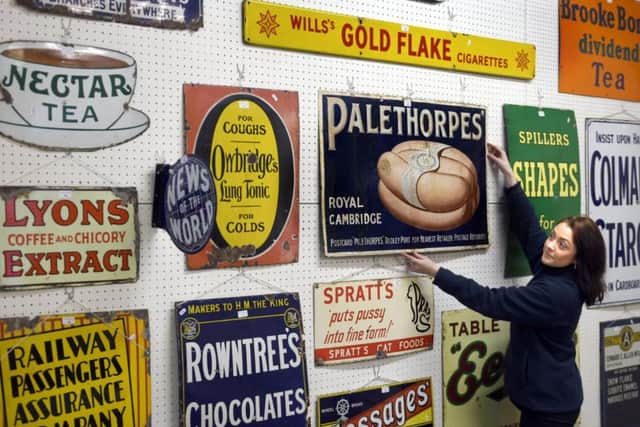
[540, 98]
[240, 74]
[350, 85]
[463, 87]
[408, 98]
[452, 16]
[66, 31]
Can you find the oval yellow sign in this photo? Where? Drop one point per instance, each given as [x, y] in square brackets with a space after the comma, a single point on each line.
[250, 156]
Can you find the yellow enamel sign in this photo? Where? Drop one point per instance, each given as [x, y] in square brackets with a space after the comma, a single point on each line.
[286, 27]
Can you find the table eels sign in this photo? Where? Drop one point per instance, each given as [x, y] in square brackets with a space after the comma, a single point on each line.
[67, 236]
[407, 404]
[242, 362]
[75, 370]
[295, 28]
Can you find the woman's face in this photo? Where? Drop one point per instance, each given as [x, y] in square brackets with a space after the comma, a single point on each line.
[559, 250]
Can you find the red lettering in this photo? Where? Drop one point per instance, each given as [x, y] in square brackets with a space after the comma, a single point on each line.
[11, 260]
[71, 262]
[95, 211]
[10, 214]
[35, 259]
[119, 213]
[92, 262]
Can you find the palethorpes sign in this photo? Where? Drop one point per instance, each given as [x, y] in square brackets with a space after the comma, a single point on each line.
[368, 319]
[242, 362]
[398, 175]
[75, 370]
[67, 236]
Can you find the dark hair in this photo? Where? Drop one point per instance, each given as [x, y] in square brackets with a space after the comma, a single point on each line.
[590, 257]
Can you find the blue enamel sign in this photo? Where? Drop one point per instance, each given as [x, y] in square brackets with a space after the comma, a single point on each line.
[242, 362]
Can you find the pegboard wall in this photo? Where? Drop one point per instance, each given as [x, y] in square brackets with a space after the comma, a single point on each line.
[215, 54]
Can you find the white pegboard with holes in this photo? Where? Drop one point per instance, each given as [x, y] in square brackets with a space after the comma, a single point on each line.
[215, 54]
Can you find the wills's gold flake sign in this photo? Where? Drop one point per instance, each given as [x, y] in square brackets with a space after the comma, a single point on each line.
[65, 236]
[286, 27]
[83, 369]
[248, 138]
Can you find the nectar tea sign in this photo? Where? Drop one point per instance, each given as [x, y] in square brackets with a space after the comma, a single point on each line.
[67, 97]
[66, 236]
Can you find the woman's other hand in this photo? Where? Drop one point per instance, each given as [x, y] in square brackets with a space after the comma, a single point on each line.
[421, 263]
[499, 158]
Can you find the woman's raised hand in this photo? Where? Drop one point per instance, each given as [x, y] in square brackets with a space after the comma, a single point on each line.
[499, 158]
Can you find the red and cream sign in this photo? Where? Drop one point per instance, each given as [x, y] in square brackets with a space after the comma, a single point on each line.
[65, 236]
[368, 319]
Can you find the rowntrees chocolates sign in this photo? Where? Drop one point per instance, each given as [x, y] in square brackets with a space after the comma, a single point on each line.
[65, 236]
[242, 362]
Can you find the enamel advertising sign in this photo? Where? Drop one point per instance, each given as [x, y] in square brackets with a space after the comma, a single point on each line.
[473, 351]
[67, 97]
[399, 176]
[619, 371]
[368, 319]
[600, 48]
[249, 140]
[295, 28]
[406, 404]
[83, 369]
[543, 149]
[178, 14]
[67, 236]
[242, 362]
[184, 202]
[613, 186]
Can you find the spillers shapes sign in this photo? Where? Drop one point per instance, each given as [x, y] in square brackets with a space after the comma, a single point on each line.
[367, 319]
[67, 97]
[407, 404]
[81, 369]
[65, 236]
[249, 140]
[399, 175]
[473, 351]
[543, 150]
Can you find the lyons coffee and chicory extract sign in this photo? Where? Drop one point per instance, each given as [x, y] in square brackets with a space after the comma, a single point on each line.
[249, 140]
[473, 351]
[619, 371]
[158, 13]
[543, 150]
[184, 202]
[613, 188]
[67, 97]
[397, 176]
[600, 48]
[242, 362]
[65, 236]
[369, 319]
[287, 27]
[407, 404]
[84, 369]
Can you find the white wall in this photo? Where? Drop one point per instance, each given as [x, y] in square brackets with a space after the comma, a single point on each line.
[168, 58]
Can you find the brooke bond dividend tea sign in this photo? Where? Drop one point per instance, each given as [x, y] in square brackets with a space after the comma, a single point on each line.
[407, 404]
[398, 176]
[85, 369]
[368, 319]
[600, 48]
[64, 236]
[242, 362]
[249, 139]
[613, 186]
[543, 150]
[473, 350]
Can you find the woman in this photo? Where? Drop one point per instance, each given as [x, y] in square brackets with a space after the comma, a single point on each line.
[541, 376]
